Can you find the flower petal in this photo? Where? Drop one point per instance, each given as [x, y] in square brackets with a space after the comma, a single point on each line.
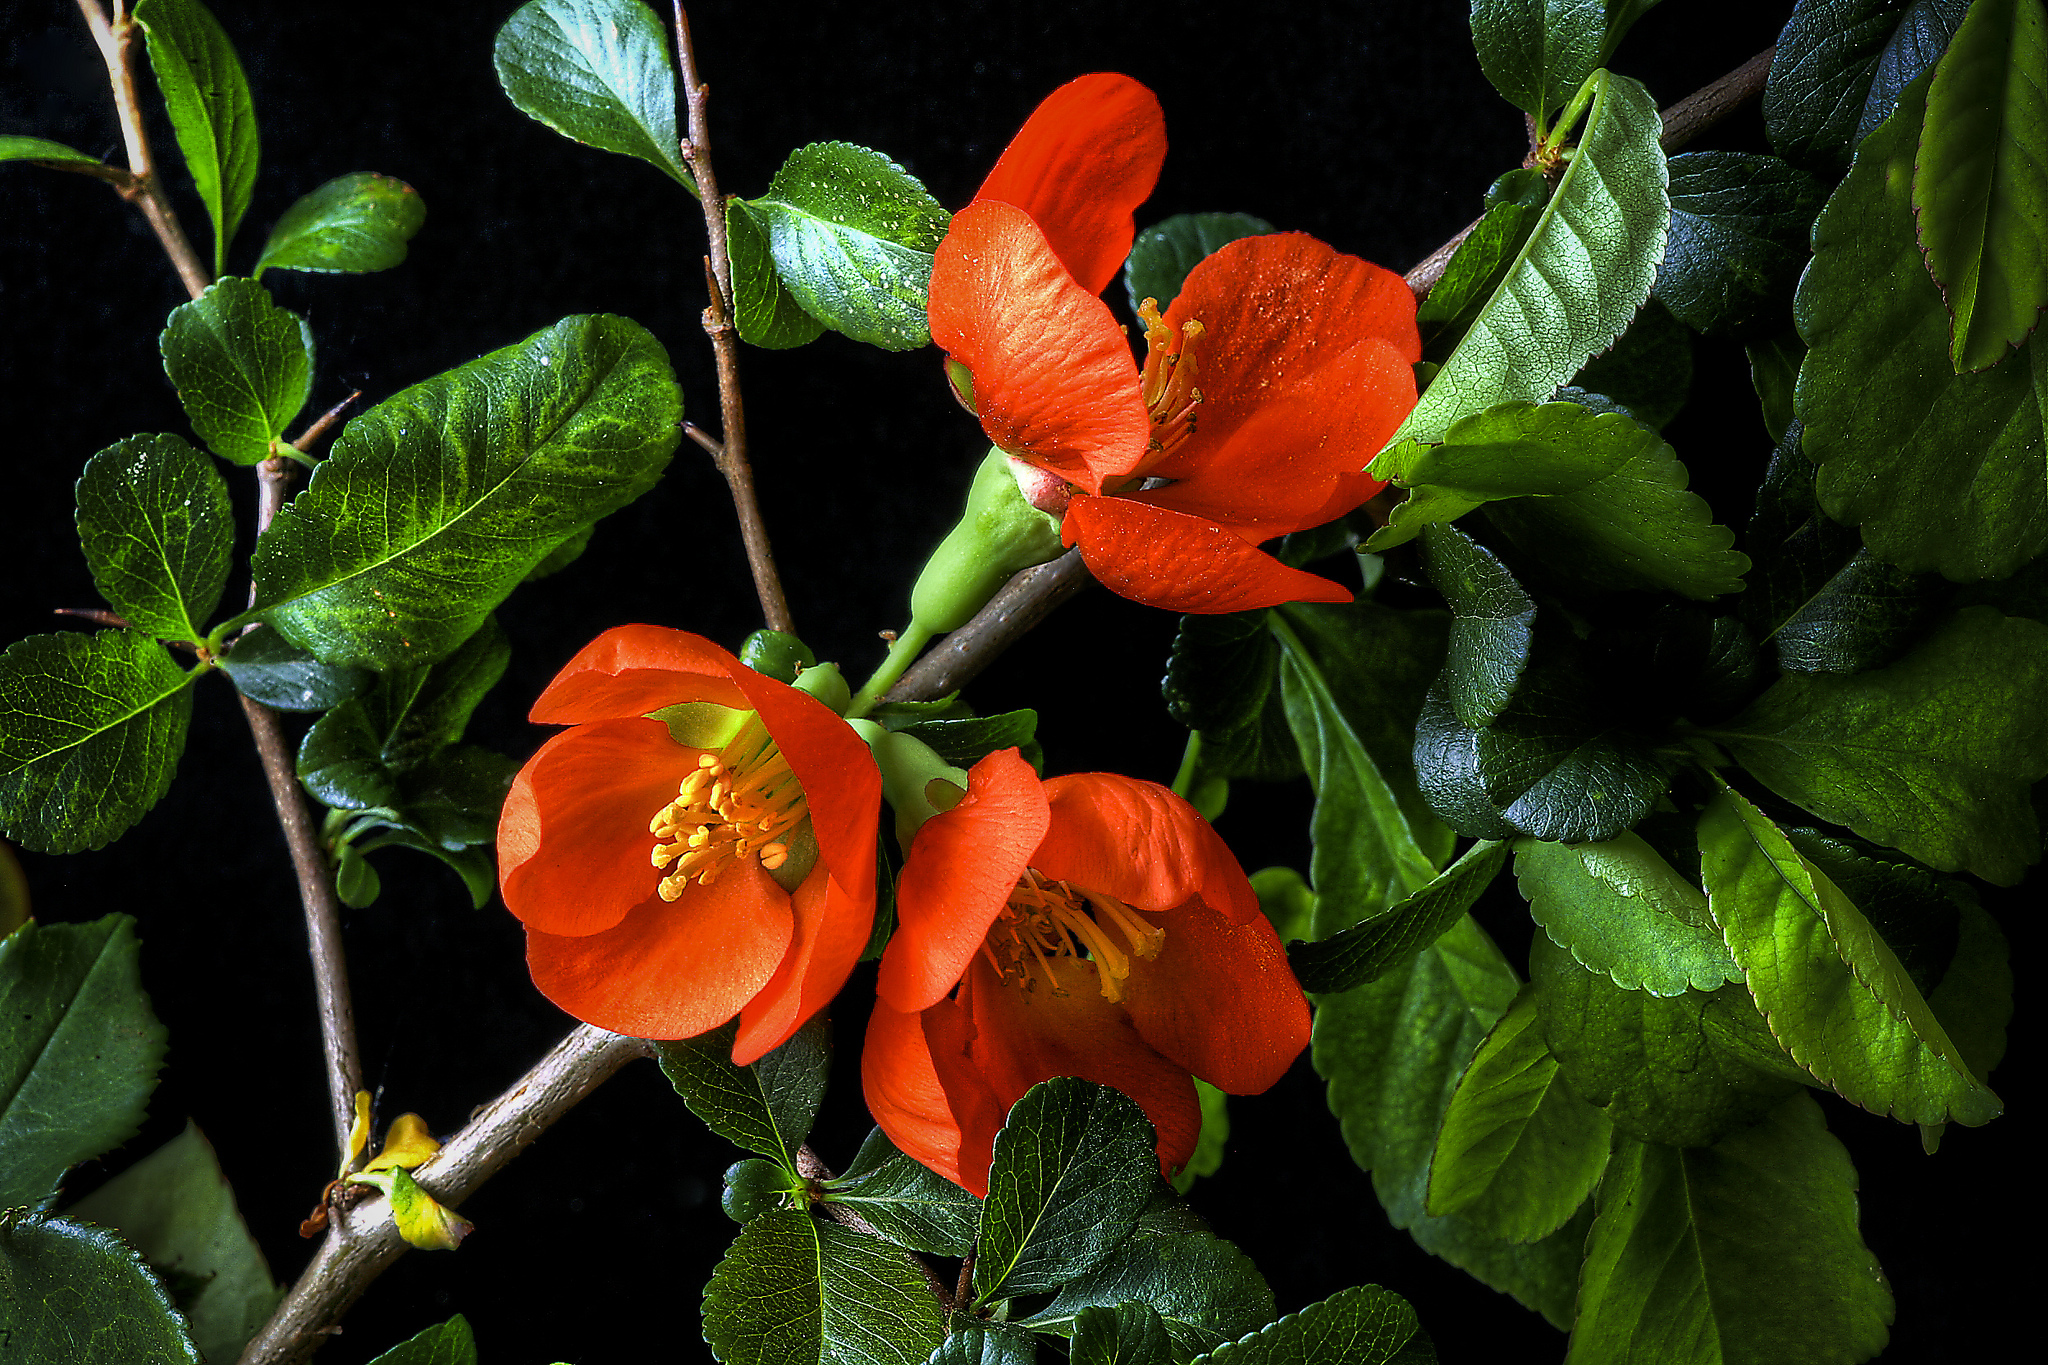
[946, 1122]
[1140, 843]
[962, 866]
[832, 929]
[1182, 563]
[573, 847]
[1087, 157]
[632, 670]
[671, 970]
[1219, 999]
[1054, 381]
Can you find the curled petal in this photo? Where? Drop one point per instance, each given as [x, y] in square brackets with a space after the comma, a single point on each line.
[1182, 563]
[1054, 381]
[927, 1096]
[633, 670]
[832, 927]
[1140, 843]
[1220, 999]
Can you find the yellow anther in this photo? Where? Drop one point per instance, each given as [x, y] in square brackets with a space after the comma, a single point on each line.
[727, 809]
[1047, 921]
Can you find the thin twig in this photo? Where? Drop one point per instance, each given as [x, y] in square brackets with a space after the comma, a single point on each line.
[363, 1239]
[731, 455]
[704, 439]
[320, 424]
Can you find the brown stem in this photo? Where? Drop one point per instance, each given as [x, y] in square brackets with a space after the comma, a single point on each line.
[731, 454]
[363, 1240]
[318, 427]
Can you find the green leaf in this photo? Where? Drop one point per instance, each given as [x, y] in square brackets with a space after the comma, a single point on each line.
[438, 501]
[986, 1343]
[1493, 623]
[242, 366]
[1773, 372]
[797, 1291]
[207, 98]
[1211, 1142]
[266, 667]
[81, 1296]
[1820, 79]
[1538, 52]
[1074, 1165]
[1518, 1152]
[852, 234]
[1204, 1289]
[447, 1343]
[905, 1202]
[767, 1107]
[1739, 223]
[1223, 681]
[1974, 999]
[91, 727]
[79, 1050]
[1980, 181]
[417, 712]
[1942, 471]
[964, 741]
[1372, 947]
[1128, 1334]
[1576, 282]
[1392, 1052]
[1747, 1250]
[1646, 373]
[1834, 993]
[1923, 34]
[1476, 269]
[596, 71]
[1685, 1070]
[1286, 901]
[766, 313]
[352, 225]
[1933, 755]
[176, 1208]
[1363, 1325]
[158, 532]
[339, 762]
[1619, 908]
[1164, 253]
[16, 148]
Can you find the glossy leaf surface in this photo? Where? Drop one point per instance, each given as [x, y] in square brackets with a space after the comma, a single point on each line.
[1375, 945]
[14, 147]
[1739, 224]
[351, 225]
[242, 366]
[905, 1202]
[1538, 52]
[158, 532]
[796, 1290]
[1163, 254]
[207, 98]
[767, 1107]
[446, 1343]
[1820, 79]
[78, 1294]
[1204, 1289]
[1619, 908]
[596, 71]
[764, 310]
[1363, 1325]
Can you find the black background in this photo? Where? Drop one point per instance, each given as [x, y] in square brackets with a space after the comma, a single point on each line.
[1367, 124]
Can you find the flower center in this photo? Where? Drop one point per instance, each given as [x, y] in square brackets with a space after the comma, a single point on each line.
[1167, 382]
[1047, 922]
[737, 805]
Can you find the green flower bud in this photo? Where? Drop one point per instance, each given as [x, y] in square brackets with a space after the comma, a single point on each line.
[916, 782]
[824, 682]
[999, 534]
[779, 656]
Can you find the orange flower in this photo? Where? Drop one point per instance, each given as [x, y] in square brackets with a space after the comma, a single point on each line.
[700, 844]
[1090, 925]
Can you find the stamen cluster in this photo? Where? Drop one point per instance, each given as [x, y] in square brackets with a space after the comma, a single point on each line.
[1044, 921]
[1167, 383]
[737, 805]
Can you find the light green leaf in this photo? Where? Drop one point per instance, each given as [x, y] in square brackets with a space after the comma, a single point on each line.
[1373, 946]
[17, 148]
[767, 1107]
[353, 224]
[1363, 1325]
[1619, 908]
[207, 97]
[91, 727]
[446, 1343]
[80, 1296]
[158, 532]
[1163, 254]
[1205, 1290]
[766, 313]
[242, 366]
[1538, 52]
[905, 1202]
[1743, 1252]
[1480, 263]
[794, 1290]
[437, 502]
[79, 1050]
[596, 71]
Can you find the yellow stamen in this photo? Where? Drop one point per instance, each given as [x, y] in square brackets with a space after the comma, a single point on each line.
[1167, 382]
[731, 808]
[1045, 922]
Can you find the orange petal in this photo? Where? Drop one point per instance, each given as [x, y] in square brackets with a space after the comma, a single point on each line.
[832, 929]
[632, 670]
[1182, 563]
[948, 1123]
[671, 970]
[573, 846]
[1054, 381]
[1219, 999]
[1140, 843]
[1087, 157]
[962, 866]
[842, 786]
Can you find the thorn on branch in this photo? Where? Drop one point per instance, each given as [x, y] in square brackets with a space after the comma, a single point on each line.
[95, 615]
[704, 439]
[323, 422]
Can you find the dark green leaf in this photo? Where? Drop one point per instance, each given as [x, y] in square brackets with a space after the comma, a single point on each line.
[767, 1107]
[175, 1207]
[1392, 1052]
[1942, 471]
[1286, 901]
[1493, 623]
[1475, 271]
[266, 667]
[797, 1291]
[80, 1296]
[17, 148]
[1518, 1152]
[1576, 282]
[1619, 908]
[1074, 1165]
[766, 313]
[1974, 1000]
[1685, 1069]
[158, 532]
[1933, 755]
[207, 97]
[1980, 183]
[340, 764]
[852, 234]
[438, 501]
[1773, 372]
[562, 556]
[1916, 912]
[1538, 52]
[596, 71]
[1164, 253]
[1836, 996]
[242, 367]
[754, 1187]
[353, 224]
[79, 1050]
[418, 711]
[1739, 223]
[905, 1202]
[447, 1343]
[1747, 1250]
[1646, 373]
[1128, 1334]
[91, 727]
[1205, 1290]
[966, 740]
[1923, 34]
[1363, 1325]
[1821, 77]
[453, 798]
[986, 1343]
[1372, 947]
[1223, 681]
[779, 655]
